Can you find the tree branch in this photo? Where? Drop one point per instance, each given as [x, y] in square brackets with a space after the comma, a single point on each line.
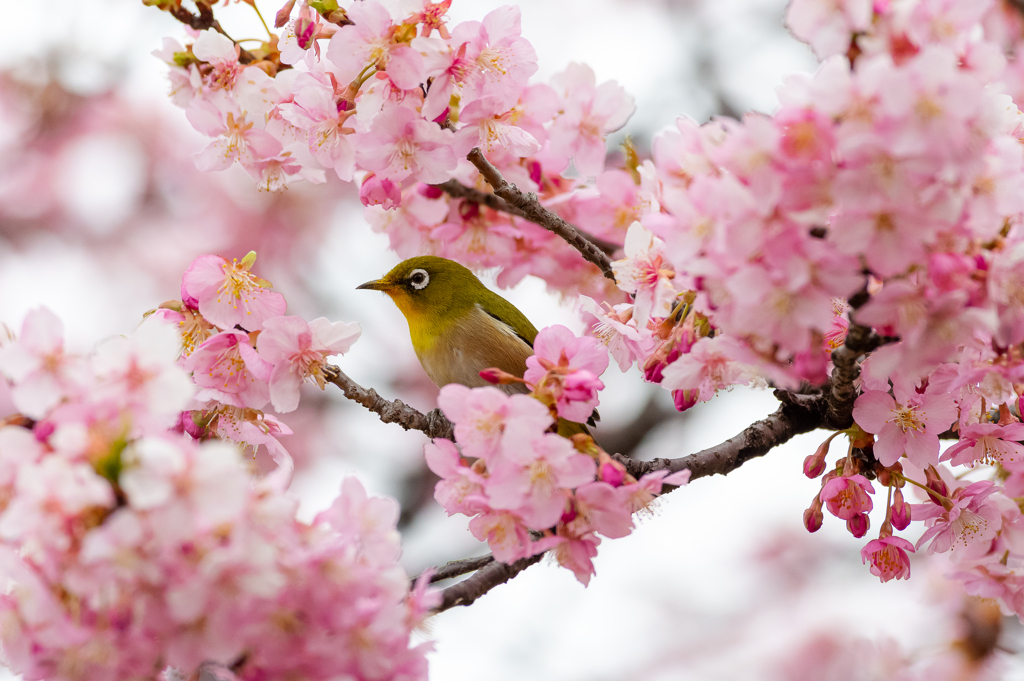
[433, 424]
[490, 576]
[457, 568]
[457, 190]
[532, 210]
[797, 414]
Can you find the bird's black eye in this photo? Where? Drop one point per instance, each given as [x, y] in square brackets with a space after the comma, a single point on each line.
[419, 279]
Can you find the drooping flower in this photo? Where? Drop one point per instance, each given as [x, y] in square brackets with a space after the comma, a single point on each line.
[888, 556]
[847, 496]
[712, 364]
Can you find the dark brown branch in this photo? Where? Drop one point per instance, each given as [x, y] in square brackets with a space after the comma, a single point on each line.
[458, 190]
[492, 575]
[533, 211]
[457, 568]
[433, 424]
[796, 415]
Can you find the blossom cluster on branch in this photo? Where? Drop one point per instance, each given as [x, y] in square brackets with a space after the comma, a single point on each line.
[136, 537]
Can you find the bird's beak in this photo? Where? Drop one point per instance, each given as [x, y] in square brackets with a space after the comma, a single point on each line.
[375, 285]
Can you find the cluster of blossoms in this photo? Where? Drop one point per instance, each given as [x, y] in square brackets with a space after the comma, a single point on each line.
[396, 100]
[893, 177]
[527, 488]
[128, 546]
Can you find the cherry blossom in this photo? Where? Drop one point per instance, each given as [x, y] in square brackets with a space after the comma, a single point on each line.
[910, 427]
[400, 145]
[43, 373]
[228, 295]
[565, 371]
[888, 556]
[645, 273]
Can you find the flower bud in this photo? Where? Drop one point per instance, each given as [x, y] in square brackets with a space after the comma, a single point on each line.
[684, 399]
[813, 516]
[612, 474]
[376, 191]
[284, 14]
[934, 482]
[900, 514]
[858, 525]
[814, 464]
[498, 377]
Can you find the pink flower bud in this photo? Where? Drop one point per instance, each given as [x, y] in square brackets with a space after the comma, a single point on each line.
[377, 191]
[612, 474]
[900, 515]
[499, 377]
[813, 518]
[284, 14]
[430, 191]
[569, 515]
[443, 116]
[934, 482]
[858, 525]
[536, 171]
[684, 399]
[814, 464]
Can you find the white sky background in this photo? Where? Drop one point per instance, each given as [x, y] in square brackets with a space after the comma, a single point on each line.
[683, 597]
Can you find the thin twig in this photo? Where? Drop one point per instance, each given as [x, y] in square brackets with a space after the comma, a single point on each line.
[532, 210]
[457, 568]
[433, 424]
[492, 575]
[458, 190]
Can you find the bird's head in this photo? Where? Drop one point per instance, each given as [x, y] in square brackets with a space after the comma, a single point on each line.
[428, 288]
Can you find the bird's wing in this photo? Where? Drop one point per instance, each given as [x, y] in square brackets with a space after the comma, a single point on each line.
[508, 314]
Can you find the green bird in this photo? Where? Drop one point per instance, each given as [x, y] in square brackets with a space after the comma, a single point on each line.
[459, 327]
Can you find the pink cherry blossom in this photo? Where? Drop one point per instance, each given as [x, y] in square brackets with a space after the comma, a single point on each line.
[616, 328]
[847, 496]
[400, 145]
[576, 553]
[376, 191]
[229, 295]
[968, 526]
[888, 556]
[490, 129]
[988, 443]
[645, 273]
[565, 370]
[909, 427]
[298, 351]
[711, 365]
[502, 59]
[368, 42]
[505, 533]
[482, 416]
[237, 139]
[590, 112]
[316, 111]
[601, 508]
[828, 26]
[460, 489]
[532, 475]
[449, 67]
[231, 370]
[36, 362]
[222, 54]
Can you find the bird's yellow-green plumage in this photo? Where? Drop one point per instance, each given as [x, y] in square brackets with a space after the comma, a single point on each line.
[458, 326]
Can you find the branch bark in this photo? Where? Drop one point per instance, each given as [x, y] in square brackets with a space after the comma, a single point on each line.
[457, 568]
[532, 210]
[494, 574]
[433, 424]
[458, 190]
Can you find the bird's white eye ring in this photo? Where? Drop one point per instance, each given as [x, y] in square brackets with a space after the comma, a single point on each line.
[419, 279]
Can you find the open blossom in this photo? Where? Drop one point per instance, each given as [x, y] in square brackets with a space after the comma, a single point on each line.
[492, 130]
[968, 526]
[400, 144]
[589, 112]
[847, 496]
[505, 533]
[42, 372]
[502, 59]
[460, 489]
[565, 369]
[576, 552]
[910, 426]
[228, 295]
[828, 25]
[645, 273]
[229, 367]
[888, 556]
[483, 415]
[236, 138]
[712, 364]
[314, 109]
[616, 328]
[222, 55]
[298, 350]
[368, 41]
[532, 474]
[989, 443]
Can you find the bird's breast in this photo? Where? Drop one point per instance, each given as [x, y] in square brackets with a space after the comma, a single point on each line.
[474, 342]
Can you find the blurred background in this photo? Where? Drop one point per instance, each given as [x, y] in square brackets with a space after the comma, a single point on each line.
[101, 209]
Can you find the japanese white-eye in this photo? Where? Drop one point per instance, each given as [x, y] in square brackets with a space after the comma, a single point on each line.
[459, 327]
